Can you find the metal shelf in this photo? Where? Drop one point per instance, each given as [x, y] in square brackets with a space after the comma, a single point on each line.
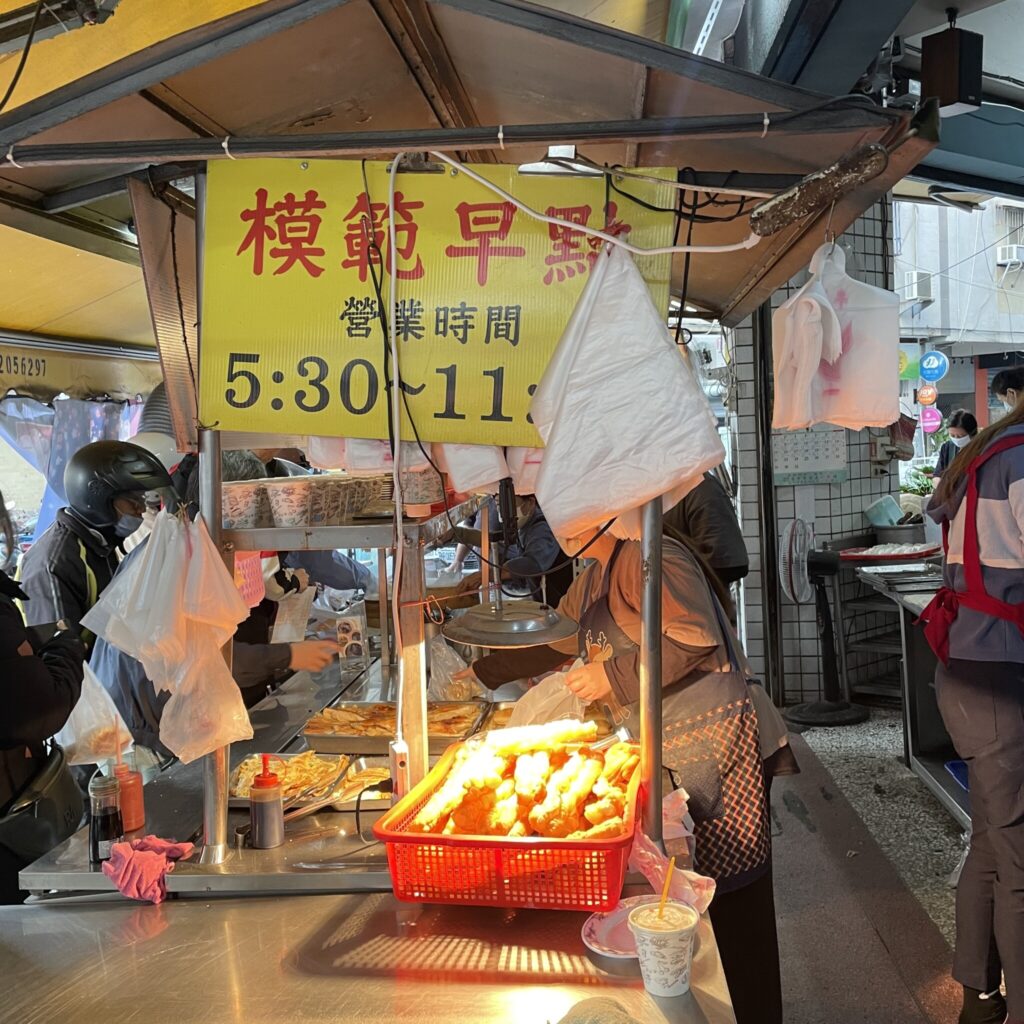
[932, 772]
[369, 533]
[872, 604]
[886, 643]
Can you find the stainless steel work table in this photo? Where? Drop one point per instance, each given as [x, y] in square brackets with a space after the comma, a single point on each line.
[365, 959]
[927, 747]
[174, 809]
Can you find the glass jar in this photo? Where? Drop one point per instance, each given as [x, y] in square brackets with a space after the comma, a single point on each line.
[105, 824]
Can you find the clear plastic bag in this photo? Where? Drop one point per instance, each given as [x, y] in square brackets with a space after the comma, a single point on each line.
[205, 711]
[95, 730]
[548, 701]
[211, 596]
[647, 859]
[160, 615]
[445, 663]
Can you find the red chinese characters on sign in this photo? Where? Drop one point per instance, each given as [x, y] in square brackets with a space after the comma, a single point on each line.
[568, 256]
[486, 225]
[367, 237]
[292, 223]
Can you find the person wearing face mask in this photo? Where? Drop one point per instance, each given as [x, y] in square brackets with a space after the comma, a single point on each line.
[72, 563]
[1008, 387]
[962, 427]
[720, 739]
[975, 626]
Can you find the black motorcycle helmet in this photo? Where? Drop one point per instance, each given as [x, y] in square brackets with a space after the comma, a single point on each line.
[104, 470]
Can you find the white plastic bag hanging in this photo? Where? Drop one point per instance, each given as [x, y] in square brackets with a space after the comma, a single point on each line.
[524, 467]
[622, 415]
[211, 597]
[95, 730]
[548, 701]
[472, 468]
[205, 711]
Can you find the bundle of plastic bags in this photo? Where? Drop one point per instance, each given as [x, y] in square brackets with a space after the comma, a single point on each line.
[622, 415]
[172, 608]
[95, 731]
[363, 456]
[472, 468]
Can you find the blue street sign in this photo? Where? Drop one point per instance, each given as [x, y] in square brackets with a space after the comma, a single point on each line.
[934, 366]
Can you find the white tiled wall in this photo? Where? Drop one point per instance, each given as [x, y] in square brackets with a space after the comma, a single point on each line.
[837, 507]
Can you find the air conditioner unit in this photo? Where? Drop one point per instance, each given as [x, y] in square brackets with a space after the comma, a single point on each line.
[917, 286]
[1010, 255]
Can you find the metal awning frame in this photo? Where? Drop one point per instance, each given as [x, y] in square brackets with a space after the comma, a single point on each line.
[816, 120]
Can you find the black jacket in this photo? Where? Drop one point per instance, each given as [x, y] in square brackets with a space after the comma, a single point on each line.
[55, 576]
[706, 515]
[37, 693]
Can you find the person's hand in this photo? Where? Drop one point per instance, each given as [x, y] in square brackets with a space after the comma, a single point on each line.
[312, 655]
[469, 584]
[303, 577]
[465, 675]
[589, 682]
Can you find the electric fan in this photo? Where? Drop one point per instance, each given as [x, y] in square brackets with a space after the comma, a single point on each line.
[803, 570]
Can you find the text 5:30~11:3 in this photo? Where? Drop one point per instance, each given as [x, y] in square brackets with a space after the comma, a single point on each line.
[358, 387]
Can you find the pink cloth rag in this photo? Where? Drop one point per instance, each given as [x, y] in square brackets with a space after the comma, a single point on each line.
[139, 868]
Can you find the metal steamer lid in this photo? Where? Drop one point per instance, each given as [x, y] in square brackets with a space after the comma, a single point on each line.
[512, 624]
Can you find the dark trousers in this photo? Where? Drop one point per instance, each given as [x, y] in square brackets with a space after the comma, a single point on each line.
[982, 705]
[744, 923]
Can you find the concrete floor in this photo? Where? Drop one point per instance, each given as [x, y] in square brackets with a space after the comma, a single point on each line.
[859, 854]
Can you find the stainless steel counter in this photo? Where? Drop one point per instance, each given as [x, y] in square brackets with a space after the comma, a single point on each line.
[174, 800]
[311, 959]
[927, 748]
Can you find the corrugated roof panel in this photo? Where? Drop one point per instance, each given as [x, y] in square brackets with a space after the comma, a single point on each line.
[49, 288]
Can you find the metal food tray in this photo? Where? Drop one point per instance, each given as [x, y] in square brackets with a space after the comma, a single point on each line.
[368, 803]
[501, 705]
[337, 743]
[242, 802]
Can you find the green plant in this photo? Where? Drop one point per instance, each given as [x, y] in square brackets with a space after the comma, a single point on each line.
[918, 483]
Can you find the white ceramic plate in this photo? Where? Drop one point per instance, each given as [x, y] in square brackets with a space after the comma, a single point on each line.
[608, 934]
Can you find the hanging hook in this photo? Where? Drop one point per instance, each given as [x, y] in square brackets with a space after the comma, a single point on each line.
[830, 235]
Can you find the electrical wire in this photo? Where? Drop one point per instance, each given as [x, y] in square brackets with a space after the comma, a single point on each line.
[24, 56]
[940, 273]
[748, 243]
[396, 413]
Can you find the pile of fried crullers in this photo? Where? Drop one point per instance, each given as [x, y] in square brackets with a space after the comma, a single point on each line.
[544, 780]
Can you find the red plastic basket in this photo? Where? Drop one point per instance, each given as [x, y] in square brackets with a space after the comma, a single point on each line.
[498, 871]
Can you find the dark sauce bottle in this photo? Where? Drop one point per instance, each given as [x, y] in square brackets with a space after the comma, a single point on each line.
[105, 825]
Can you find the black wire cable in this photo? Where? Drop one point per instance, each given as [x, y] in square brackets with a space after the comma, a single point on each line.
[24, 56]
[382, 317]
[684, 288]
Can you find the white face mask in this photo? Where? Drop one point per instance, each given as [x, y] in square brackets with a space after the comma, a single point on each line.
[960, 442]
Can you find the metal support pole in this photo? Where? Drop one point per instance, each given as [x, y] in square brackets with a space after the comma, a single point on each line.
[485, 553]
[385, 611]
[650, 670]
[215, 764]
[767, 524]
[414, 658]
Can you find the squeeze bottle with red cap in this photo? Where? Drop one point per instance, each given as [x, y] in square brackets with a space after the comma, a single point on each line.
[266, 810]
[133, 813]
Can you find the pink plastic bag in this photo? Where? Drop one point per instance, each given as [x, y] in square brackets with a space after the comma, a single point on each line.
[646, 858]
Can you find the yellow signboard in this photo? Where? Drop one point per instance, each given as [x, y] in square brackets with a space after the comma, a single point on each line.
[292, 336]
